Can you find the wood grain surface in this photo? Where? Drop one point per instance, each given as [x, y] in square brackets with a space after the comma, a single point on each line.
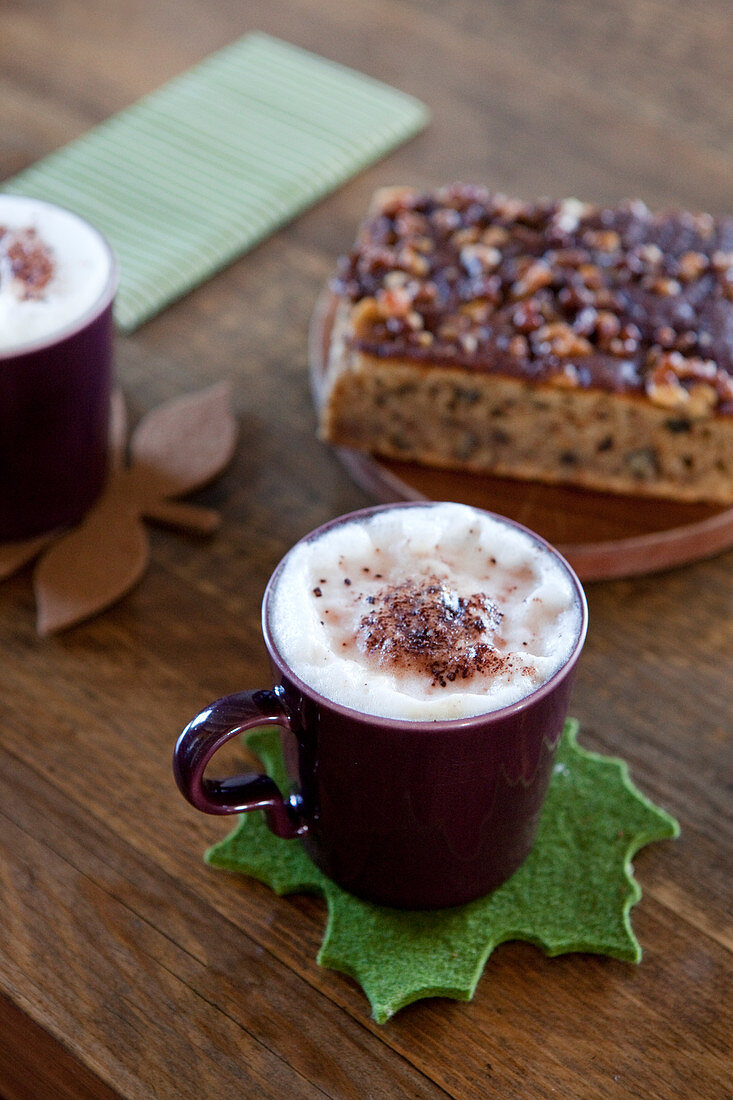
[129, 969]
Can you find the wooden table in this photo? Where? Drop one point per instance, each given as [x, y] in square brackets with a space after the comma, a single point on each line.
[129, 969]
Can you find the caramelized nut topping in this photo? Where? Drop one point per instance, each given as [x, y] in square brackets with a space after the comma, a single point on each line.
[561, 340]
[366, 313]
[604, 240]
[566, 378]
[691, 266]
[664, 286]
[480, 257]
[692, 385]
[608, 326]
[536, 276]
[519, 347]
[495, 236]
[493, 283]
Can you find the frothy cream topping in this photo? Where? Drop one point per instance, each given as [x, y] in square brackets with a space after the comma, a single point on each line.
[54, 268]
[425, 613]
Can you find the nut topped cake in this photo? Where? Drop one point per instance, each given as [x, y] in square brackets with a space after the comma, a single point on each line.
[554, 341]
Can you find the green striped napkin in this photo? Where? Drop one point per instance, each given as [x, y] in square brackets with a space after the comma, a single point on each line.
[193, 175]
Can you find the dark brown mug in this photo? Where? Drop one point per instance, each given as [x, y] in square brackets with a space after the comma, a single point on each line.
[411, 814]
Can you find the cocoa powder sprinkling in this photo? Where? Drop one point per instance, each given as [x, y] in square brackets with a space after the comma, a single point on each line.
[27, 260]
[427, 628]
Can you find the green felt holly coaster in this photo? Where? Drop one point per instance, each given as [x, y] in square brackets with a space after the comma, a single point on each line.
[573, 893]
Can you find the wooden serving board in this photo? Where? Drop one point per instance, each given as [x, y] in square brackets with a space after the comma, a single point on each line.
[602, 535]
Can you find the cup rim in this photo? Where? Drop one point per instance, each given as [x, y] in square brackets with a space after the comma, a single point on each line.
[423, 725]
[96, 309]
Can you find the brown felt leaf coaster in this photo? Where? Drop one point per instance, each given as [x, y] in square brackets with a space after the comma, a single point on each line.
[176, 448]
[14, 555]
[574, 892]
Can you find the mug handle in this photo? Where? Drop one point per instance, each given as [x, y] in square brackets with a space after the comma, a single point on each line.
[205, 735]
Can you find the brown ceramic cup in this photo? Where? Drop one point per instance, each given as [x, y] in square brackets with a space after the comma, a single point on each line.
[55, 406]
[410, 814]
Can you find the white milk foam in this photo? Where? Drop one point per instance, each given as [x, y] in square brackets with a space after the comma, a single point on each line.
[331, 613]
[82, 269]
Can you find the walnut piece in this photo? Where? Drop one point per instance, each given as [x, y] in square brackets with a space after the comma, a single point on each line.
[688, 384]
